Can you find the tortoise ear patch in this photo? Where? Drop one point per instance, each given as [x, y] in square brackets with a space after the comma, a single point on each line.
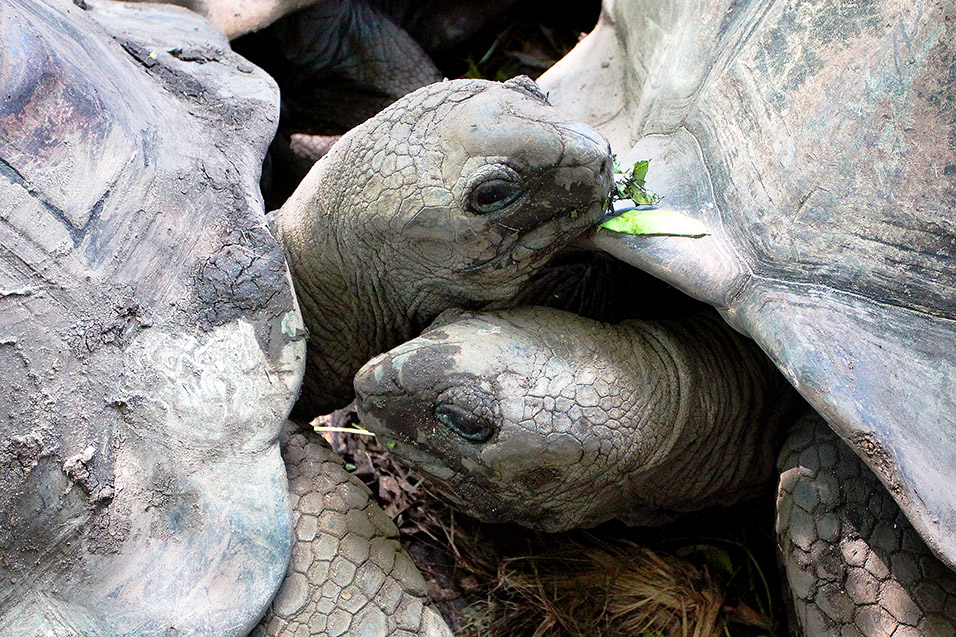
[524, 84]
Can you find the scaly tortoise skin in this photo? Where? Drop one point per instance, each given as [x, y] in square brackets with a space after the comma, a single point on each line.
[153, 346]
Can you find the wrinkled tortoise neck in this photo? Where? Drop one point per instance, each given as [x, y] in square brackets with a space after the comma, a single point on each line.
[728, 406]
[347, 304]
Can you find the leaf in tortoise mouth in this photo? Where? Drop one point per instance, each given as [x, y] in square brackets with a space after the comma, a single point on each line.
[656, 221]
[630, 184]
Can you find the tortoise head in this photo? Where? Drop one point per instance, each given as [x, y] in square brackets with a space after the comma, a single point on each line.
[454, 195]
[509, 182]
[499, 434]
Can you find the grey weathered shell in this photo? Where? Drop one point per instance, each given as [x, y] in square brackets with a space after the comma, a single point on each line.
[818, 143]
[150, 344]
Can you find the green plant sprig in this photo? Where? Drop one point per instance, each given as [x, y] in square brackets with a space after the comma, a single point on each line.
[630, 184]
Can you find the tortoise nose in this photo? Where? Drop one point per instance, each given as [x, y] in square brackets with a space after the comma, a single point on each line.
[607, 172]
[584, 144]
[375, 378]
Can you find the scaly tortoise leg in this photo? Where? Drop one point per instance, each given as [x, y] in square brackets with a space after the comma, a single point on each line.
[348, 574]
[854, 563]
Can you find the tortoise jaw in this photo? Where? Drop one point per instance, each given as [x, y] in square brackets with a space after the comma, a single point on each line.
[379, 391]
[541, 243]
[400, 442]
[536, 246]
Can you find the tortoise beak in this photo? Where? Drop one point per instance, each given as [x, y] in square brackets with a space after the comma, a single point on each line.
[385, 395]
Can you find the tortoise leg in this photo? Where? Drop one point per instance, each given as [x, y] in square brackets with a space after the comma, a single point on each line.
[854, 563]
[348, 574]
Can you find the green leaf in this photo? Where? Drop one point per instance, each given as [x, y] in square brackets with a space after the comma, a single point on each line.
[656, 222]
[637, 193]
[630, 184]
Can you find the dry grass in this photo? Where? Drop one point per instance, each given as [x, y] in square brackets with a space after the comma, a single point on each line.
[577, 589]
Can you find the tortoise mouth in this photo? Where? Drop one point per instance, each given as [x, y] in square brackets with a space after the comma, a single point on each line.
[538, 244]
[405, 447]
[370, 405]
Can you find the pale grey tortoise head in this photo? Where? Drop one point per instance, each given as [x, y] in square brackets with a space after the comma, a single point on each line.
[554, 421]
[465, 403]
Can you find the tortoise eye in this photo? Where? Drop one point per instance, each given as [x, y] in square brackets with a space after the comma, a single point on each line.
[493, 195]
[464, 423]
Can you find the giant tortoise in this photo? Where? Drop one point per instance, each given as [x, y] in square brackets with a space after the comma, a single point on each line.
[152, 345]
[816, 141]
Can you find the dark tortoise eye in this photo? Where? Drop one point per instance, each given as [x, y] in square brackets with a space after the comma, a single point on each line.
[464, 423]
[493, 195]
